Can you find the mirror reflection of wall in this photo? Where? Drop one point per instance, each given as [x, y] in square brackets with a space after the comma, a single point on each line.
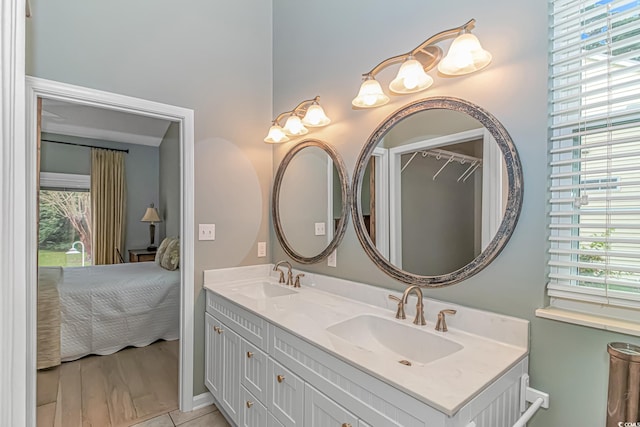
[436, 190]
[307, 198]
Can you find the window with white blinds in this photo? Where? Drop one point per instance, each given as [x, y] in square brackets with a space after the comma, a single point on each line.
[594, 152]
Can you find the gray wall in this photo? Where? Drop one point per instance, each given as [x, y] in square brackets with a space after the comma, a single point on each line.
[141, 174]
[213, 57]
[169, 206]
[569, 362]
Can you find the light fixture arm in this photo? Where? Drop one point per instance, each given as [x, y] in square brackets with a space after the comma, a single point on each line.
[299, 110]
[443, 35]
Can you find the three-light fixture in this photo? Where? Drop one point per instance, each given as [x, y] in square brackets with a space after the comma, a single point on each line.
[308, 113]
[465, 56]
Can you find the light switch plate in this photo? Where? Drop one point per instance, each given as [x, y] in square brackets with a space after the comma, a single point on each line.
[262, 249]
[207, 232]
[332, 259]
[320, 231]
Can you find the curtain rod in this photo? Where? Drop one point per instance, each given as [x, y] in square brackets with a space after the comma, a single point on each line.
[84, 145]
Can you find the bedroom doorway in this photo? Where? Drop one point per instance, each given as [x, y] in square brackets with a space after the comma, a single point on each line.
[161, 352]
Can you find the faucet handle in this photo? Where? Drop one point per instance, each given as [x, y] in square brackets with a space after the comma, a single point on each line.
[400, 312]
[296, 284]
[441, 324]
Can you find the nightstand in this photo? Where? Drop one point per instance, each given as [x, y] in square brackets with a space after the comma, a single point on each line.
[141, 255]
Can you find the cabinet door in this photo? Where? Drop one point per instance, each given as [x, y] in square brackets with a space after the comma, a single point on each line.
[254, 414]
[254, 371]
[320, 411]
[213, 356]
[272, 421]
[230, 372]
[285, 398]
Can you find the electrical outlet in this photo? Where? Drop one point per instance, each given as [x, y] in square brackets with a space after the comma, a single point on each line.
[207, 232]
[320, 231]
[332, 259]
[262, 249]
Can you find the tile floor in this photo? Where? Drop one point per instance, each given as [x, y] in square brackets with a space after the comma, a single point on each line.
[209, 416]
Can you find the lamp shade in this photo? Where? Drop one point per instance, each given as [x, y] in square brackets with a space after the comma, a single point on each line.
[370, 95]
[294, 126]
[276, 135]
[411, 78]
[465, 56]
[315, 117]
[151, 215]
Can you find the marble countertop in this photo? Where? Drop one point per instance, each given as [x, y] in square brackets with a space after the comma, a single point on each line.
[445, 384]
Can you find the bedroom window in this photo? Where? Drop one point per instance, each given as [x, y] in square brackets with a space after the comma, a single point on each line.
[64, 231]
[594, 153]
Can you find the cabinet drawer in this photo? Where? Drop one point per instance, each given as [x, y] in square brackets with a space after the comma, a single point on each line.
[320, 411]
[253, 413]
[254, 371]
[251, 327]
[285, 397]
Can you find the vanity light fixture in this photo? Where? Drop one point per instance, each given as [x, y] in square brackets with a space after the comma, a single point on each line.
[308, 113]
[465, 56]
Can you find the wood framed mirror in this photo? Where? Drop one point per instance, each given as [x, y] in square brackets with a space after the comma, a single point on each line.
[310, 201]
[437, 191]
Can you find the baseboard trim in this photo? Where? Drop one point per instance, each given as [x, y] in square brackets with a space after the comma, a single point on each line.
[202, 400]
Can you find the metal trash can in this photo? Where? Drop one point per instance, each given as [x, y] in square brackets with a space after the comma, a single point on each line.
[623, 402]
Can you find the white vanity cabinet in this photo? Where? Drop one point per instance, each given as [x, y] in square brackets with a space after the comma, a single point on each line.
[262, 375]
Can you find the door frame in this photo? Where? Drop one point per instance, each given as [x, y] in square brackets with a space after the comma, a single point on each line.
[41, 88]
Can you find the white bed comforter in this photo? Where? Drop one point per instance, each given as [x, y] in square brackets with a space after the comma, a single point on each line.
[105, 308]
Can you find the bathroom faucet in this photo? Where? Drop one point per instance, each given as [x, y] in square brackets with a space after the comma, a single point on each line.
[419, 319]
[441, 324]
[289, 273]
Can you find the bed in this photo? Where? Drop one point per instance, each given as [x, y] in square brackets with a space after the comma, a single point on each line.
[105, 308]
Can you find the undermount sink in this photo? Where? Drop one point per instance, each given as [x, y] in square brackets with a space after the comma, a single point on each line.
[263, 290]
[404, 343]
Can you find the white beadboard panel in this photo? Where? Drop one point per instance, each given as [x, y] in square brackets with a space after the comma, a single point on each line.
[250, 326]
[499, 404]
[254, 371]
[230, 373]
[272, 421]
[286, 398]
[253, 413]
[320, 411]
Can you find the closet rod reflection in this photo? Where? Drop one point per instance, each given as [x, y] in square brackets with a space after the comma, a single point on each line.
[85, 145]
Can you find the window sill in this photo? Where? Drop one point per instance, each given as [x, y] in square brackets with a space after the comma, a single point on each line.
[590, 320]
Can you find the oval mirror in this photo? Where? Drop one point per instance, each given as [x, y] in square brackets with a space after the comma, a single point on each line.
[438, 192]
[310, 201]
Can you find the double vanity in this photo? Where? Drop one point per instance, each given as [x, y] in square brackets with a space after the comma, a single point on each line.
[332, 353]
[436, 194]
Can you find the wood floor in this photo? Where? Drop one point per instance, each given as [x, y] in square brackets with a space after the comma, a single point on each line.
[121, 389]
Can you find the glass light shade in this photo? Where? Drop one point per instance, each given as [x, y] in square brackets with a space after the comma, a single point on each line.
[276, 135]
[370, 95]
[411, 78]
[465, 56]
[294, 126]
[315, 117]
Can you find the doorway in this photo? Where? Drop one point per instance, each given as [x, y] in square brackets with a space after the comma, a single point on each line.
[60, 92]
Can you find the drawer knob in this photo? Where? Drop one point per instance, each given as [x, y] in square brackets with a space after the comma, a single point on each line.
[219, 331]
[249, 404]
[280, 378]
[346, 425]
[215, 328]
[249, 354]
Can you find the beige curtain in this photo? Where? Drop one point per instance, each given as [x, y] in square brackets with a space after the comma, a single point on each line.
[107, 204]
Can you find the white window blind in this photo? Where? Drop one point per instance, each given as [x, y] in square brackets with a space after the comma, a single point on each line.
[594, 152]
